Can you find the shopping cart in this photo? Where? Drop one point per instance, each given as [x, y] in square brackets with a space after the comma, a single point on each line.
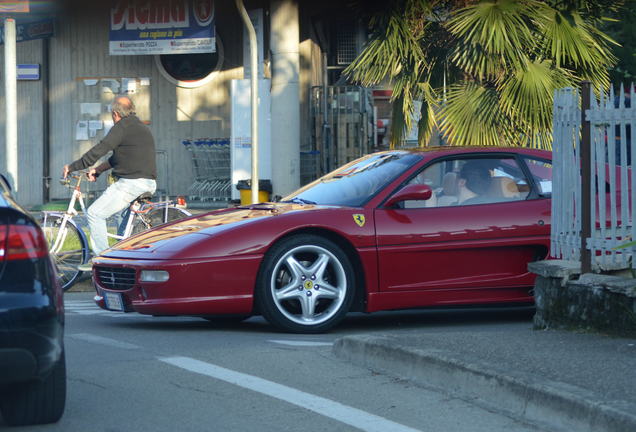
[211, 162]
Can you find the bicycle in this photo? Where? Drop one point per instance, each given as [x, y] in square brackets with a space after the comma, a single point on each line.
[68, 244]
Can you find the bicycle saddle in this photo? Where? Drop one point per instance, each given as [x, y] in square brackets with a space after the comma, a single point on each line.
[146, 196]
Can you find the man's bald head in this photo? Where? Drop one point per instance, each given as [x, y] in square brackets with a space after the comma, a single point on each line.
[123, 106]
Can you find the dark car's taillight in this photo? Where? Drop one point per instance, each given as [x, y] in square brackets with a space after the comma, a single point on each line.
[20, 242]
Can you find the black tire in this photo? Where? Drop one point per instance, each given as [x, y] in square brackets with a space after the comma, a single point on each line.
[37, 402]
[156, 217]
[305, 284]
[69, 254]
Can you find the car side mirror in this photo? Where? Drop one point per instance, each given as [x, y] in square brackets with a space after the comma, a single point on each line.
[410, 192]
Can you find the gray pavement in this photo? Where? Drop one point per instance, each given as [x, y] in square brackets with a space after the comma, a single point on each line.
[556, 379]
[559, 380]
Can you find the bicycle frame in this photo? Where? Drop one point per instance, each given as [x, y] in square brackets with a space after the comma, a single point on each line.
[137, 209]
[67, 216]
[65, 232]
[134, 209]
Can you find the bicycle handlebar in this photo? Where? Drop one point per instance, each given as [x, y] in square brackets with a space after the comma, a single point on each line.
[67, 181]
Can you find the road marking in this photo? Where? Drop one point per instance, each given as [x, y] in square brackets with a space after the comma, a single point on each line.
[326, 407]
[103, 341]
[300, 343]
[80, 303]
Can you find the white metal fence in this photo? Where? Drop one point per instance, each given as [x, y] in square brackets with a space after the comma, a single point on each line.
[612, 118]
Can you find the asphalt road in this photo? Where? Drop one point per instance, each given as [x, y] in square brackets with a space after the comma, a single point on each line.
[128, 372]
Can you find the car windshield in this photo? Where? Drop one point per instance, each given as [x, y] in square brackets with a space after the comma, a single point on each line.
[354, 184]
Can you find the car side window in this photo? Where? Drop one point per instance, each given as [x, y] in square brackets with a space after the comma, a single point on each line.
[541, 171]
[469, 181]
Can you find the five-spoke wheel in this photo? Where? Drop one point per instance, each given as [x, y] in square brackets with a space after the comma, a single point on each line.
[306, 284]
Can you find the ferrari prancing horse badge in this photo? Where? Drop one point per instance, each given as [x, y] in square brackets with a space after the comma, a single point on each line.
[359, 219]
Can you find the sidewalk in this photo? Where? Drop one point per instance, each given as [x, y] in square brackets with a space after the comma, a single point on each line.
[555, 379]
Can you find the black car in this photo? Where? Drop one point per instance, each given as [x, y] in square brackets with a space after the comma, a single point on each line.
[32, 364]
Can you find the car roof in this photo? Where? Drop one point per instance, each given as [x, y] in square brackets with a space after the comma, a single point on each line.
[435, 151]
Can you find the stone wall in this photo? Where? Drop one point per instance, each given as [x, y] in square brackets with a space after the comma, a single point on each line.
[566, 299]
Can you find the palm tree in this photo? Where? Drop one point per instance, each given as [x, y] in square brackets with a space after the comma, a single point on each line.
[484, 71]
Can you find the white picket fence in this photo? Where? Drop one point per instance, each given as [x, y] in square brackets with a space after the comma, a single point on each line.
[612, 118]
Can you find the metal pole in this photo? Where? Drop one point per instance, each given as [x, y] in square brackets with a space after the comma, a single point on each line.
[254, 96]
[586, 179]
[11, 101]
[46, 148]
[326, 167]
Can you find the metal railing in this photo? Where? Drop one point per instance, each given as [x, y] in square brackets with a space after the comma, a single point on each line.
[342, 118]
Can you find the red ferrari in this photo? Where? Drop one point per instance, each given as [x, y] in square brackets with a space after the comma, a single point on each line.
[391, 230]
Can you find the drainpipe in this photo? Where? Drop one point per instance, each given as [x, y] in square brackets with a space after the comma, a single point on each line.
[11, 102]
[254, 95]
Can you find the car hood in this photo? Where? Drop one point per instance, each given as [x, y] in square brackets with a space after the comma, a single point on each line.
[191, 237]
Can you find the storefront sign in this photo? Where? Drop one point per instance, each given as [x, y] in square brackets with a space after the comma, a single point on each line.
[139, 27]
[26, 31]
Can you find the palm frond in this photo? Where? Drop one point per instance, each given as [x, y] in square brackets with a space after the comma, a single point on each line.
[572, 42]
[526, 96]
[388, 52]
[472, 116]
[427, 114]
[398, 122]
[493, 35]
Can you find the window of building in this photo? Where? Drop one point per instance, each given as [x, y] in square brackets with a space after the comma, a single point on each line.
[191, 70]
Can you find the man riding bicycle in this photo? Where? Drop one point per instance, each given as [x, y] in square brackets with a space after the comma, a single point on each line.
[134, 168]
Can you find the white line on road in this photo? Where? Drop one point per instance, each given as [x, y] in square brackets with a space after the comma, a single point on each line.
[81, 305]
[103, 341]
[326, 407]
[300, 343]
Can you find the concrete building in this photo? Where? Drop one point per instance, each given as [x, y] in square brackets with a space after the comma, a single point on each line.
[189, 97]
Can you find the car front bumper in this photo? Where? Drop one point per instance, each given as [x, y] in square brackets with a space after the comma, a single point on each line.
[197, 287]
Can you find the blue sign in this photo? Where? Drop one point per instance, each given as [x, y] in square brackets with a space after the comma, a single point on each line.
[28, 72]
[139, 27]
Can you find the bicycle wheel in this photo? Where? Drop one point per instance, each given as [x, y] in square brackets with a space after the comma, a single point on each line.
[67, 246]
[156, 217]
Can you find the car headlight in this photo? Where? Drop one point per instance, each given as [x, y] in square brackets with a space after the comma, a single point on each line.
[154, 276]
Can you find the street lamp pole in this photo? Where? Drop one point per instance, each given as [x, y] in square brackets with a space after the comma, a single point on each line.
[11, 101]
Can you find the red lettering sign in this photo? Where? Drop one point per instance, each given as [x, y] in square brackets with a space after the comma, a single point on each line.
[149, 14]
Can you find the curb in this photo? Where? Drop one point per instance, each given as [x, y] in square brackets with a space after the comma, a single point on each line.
[556, 405]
